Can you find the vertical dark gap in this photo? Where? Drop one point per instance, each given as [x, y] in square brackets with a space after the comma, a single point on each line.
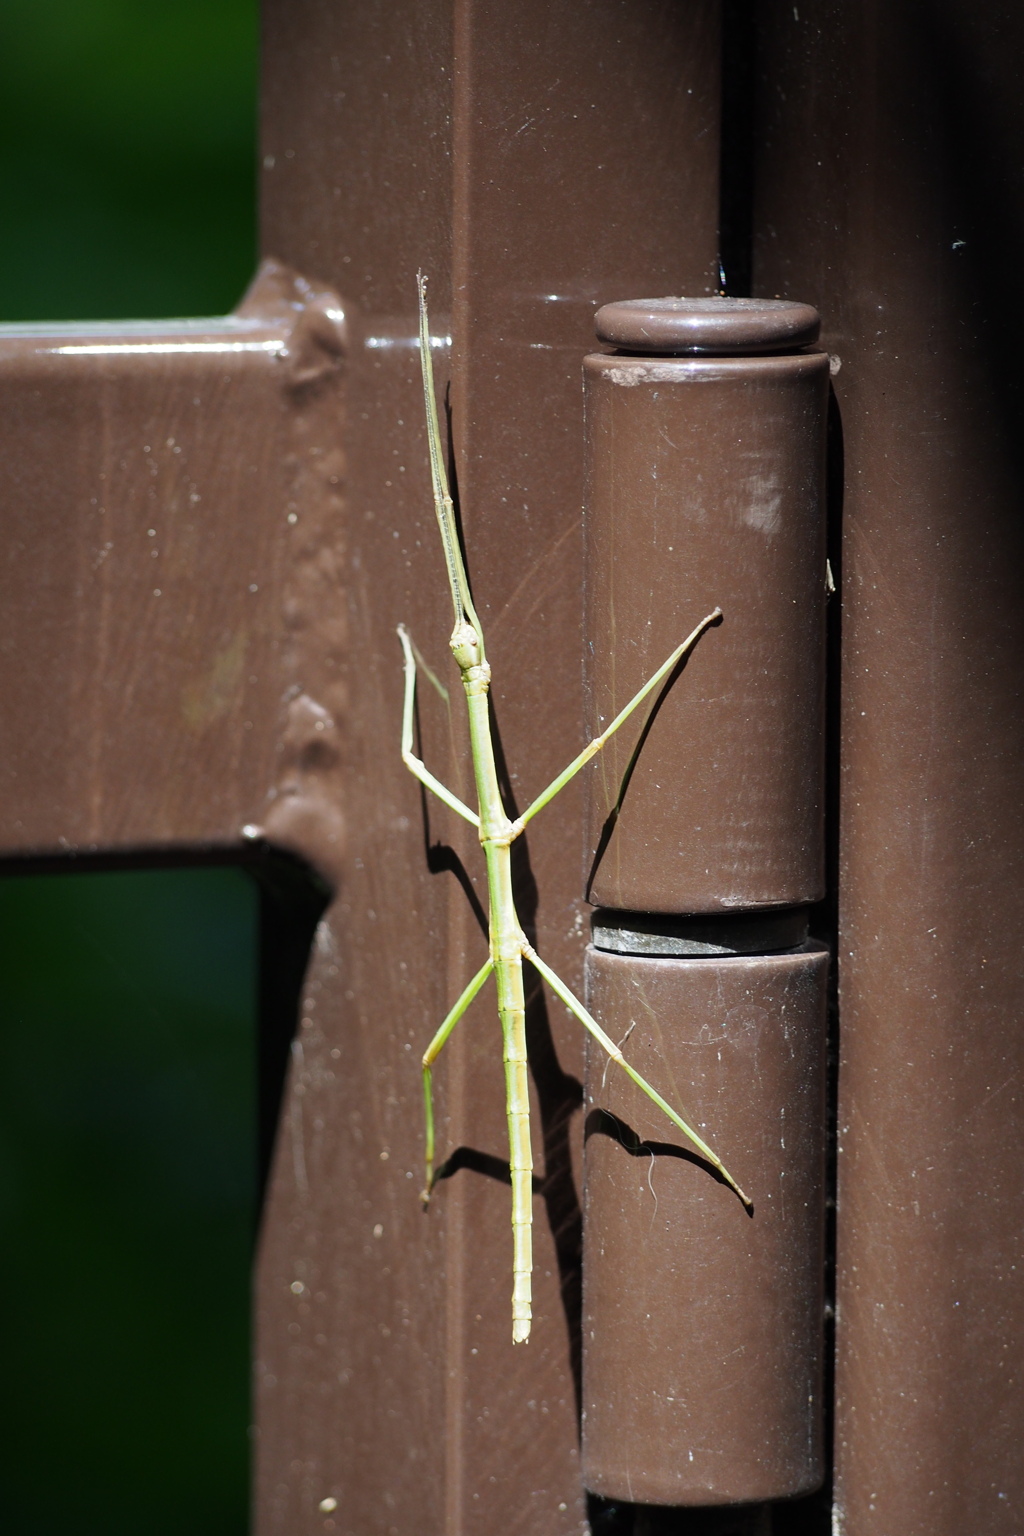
[812, 1515]
[736, 165]
[291, 902]
[608, 1518]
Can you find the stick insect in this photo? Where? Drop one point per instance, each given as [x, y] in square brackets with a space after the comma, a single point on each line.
[508, 946]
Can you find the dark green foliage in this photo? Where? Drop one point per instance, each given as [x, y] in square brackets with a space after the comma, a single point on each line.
[127, 1201]
[127, 157]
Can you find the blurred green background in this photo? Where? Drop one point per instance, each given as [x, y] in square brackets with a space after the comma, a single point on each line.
[128, 1008]
[127, 1201]
[128, 1171]
[127, 157]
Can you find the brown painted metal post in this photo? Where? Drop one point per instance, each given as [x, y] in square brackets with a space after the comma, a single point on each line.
[533, 159]
[703, 1324]
[889, 195]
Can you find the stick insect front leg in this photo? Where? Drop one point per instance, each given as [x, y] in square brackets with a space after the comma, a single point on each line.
[415, 765]
[594, 747]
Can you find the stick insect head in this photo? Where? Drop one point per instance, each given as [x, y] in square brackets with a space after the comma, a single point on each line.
[465, 644]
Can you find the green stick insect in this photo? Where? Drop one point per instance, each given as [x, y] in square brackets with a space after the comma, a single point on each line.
[508, 946]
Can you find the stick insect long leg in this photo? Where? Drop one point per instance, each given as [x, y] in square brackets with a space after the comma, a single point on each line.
[431, 1054]
[593, 747]
[588, 1021]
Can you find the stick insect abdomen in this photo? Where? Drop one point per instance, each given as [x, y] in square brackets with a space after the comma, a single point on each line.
[512, 1012]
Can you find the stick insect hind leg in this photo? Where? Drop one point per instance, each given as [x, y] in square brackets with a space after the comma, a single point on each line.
[589, 1023]
[431, 1054]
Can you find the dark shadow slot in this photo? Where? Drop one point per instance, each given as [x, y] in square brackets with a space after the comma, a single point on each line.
[609, 1518]
[736, 161]
[292, 899]
[964, 150]
[659, 934]
[812, 1515]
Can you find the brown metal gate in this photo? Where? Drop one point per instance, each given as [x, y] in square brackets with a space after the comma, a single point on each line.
[234, 677]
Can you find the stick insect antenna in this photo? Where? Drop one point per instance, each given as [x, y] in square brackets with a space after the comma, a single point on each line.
[458, 581]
